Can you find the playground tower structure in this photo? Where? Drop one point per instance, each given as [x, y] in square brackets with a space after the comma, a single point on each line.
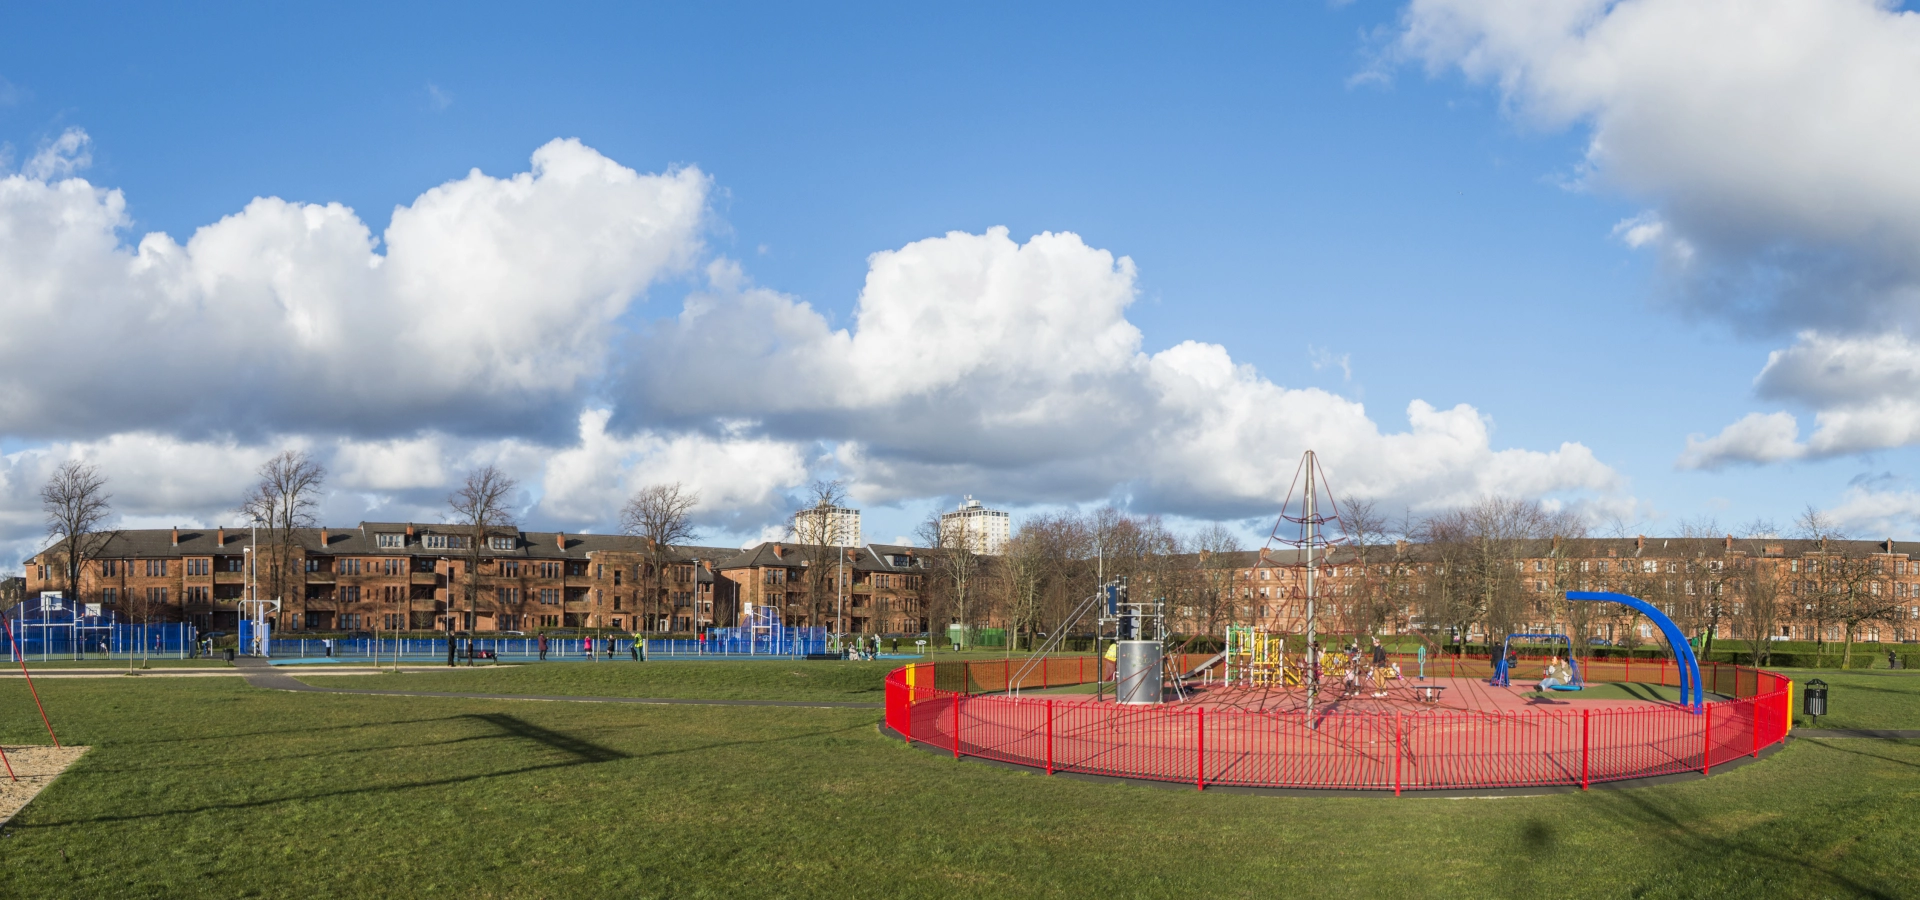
[1304, 528]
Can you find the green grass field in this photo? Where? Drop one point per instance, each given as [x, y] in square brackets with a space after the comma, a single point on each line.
[170, 662]
[856, 682]
[208, 787]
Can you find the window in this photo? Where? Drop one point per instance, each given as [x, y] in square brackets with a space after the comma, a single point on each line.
[510, 568]
[616, 601]
[394, 621]
[577, 569]
[434, 541]
[233, 563]
[616, 577]
[390, 540]
[109, 568]
[196, 595]
[1263, 575]
[157, 596]
[109, 596]
[349, 567]
[155, 568]
[549, 596]
[315, 564]
[500, 542]
[507, 595]
[394, 566]
[350, 594]
[549, 570]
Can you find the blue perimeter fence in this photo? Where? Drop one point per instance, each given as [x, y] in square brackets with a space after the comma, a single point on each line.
[528, 648]
[67, 642]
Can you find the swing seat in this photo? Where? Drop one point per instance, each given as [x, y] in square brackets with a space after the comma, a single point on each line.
[1564, 687]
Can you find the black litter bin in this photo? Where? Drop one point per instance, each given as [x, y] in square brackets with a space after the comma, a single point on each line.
[1814, 701]
[229, 654]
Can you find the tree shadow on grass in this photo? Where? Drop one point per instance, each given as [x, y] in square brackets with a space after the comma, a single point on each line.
[581, 752]
[1645, 807]
[1846, 745]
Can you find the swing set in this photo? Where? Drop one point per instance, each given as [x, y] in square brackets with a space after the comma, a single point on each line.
[1502, 666]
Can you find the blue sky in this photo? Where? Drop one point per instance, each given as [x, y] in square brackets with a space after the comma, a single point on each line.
[1341, 196]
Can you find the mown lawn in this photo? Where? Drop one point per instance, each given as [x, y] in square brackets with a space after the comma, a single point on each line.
[1858, 699]
[101, 662]
[208, 787]
[859, 682]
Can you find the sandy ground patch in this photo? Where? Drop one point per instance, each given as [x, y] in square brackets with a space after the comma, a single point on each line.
[36, 767]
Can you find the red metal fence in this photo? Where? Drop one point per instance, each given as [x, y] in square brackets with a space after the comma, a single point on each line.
[960, 707]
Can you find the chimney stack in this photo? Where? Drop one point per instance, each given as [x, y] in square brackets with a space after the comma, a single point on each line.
[409, 529]
[324, 538]
[560, 540]
[222, 536]
[1640, 543]
[176, 535]
[779, 552]
[1729, 542]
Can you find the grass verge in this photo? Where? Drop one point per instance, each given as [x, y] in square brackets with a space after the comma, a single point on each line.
[206, 787]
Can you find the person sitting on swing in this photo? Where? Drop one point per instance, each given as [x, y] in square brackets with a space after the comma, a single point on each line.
[1555, 675]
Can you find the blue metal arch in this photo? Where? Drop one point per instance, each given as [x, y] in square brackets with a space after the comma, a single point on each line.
[1676, 640]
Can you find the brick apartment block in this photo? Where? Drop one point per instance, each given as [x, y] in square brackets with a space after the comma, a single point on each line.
[393, 575]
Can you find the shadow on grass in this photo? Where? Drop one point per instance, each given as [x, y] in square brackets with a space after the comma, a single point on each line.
[1849, 749]
[582, 752]
[1641, 807]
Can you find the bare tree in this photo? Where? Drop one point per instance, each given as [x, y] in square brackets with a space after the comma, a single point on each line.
[820, 530]
[1027, 567]
[1218, 550]
[480, 507]
[76, 501]
[956, 567]
[1814, 525]
[1759, 605]
[282, 503]
[663, 515]
[1480, 549]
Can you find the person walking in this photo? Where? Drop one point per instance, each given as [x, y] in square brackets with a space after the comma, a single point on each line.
[543, 646]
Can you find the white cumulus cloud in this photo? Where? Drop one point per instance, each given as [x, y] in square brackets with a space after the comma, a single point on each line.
[489, 312]
[978, 363]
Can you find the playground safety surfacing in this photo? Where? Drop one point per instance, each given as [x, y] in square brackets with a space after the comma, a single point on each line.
[1397, 737]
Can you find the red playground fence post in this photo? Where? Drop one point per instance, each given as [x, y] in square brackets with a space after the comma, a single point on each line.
[1049, 737]
[956, 726]
[1200, 751]
[1585, 723]
[1706, 741]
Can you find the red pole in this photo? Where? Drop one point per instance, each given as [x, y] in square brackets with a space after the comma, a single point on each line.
[1584, 720]
[1706, 740]
[1200, 752]
[1396, 754]
[30, 688]
[1049, 737]
[1629, 677]
[4, 759]
[956, 726]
